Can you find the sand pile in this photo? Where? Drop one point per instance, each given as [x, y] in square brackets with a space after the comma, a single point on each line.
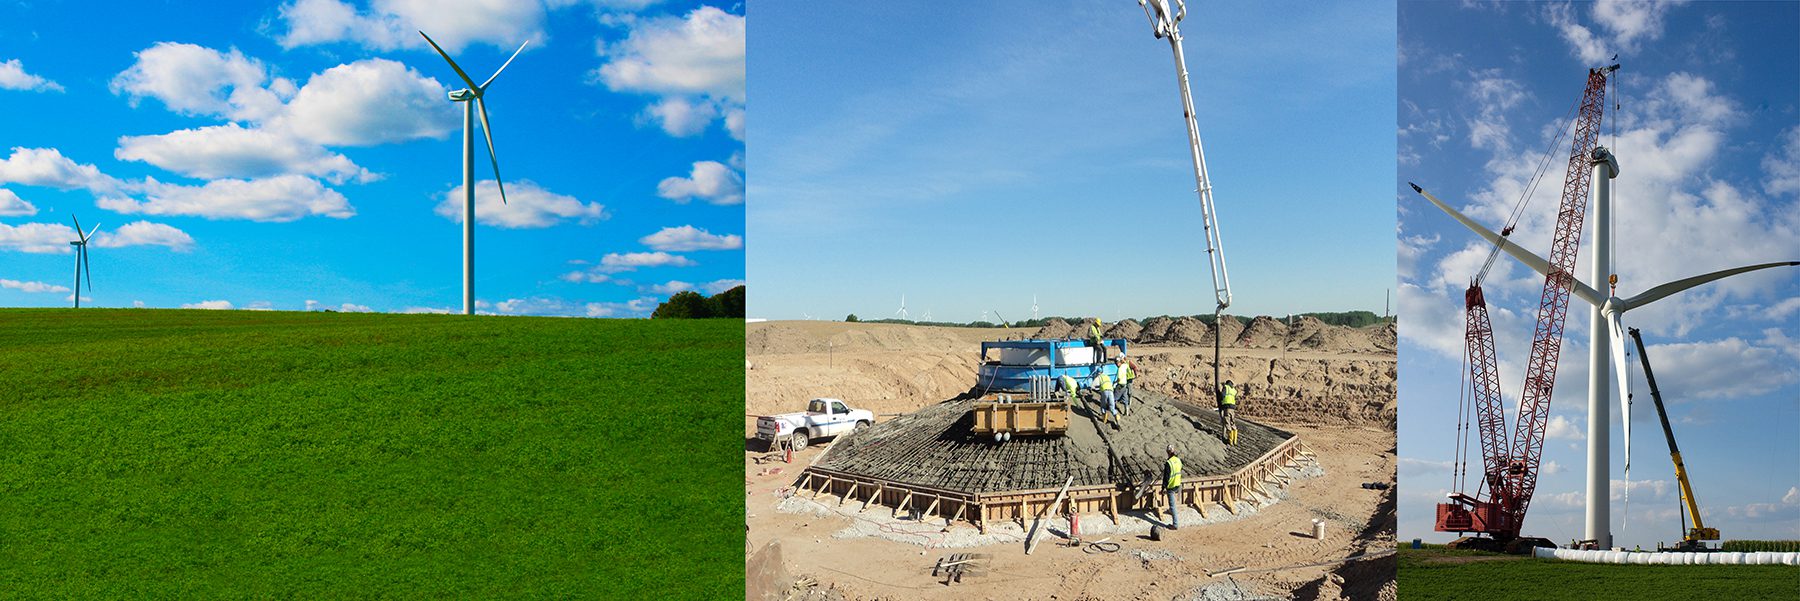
[780, 339]
[1229, 328]
[1337, 339]
[1156, 330]
[1385, 336]
[1302, 328]
[1055, 329]
[1187, 331]
[1263, 332]
[1128, 329]
[1314, 391]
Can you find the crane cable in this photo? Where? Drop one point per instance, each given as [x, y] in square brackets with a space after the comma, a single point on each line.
[1524, 200]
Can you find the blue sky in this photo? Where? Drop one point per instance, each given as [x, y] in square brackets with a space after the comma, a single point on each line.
[299, 155]
[1708, 140]
[970, 155]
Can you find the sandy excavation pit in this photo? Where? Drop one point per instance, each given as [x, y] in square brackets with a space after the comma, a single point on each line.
[935, 447]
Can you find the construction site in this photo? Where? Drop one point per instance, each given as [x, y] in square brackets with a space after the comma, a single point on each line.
[926, 503]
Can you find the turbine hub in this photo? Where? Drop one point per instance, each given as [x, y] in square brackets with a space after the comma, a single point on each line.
[462, 95]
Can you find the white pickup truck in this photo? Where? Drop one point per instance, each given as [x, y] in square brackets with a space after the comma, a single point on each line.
[823, 418]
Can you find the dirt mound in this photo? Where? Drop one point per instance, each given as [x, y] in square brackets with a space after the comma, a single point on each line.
[1229, 327]
[777, 339]
[1304, 327]
[1385, 336]
[1187, 331]
[1055, 329]
[1129, 329]
[1338, 339]
[1156, 330]
[1313, 391]
[1264, 332]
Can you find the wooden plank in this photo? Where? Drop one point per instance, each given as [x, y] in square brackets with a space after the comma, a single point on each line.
[872, 497]
[1031, 539]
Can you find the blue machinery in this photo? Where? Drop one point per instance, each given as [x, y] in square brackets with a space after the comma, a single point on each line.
[1020, 360]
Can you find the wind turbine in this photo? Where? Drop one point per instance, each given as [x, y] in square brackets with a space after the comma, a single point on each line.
[473, 92]
[902, 311]
[927, 316]
[1034, 307]
[1605, 334]
[81, 259]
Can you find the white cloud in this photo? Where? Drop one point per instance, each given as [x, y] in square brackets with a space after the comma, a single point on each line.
[710, 181]
[392, 24]
[689, 238]
[717, 286]
[368, 102]
[48, 167]
[1657, 489]
[617, 262]
[694, 62]
[589, 277]
[426, 310]
[1792, 497]
[1783, 166]
[280, 198]
[144, 233]
[1552, 468]
[313, 305]
[14, 77]
[232, 151]
[37, 238]
[195, 80]
[673, 286]
[32, 287]
[1562, 427]
[527, 206]
[216, 305]
[259, 306]
[13, 206]
[1626, 23]
[639, 307]
[1720, 369]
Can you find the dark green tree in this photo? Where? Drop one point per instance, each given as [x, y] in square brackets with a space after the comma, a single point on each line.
[851, 319]
[686, 304]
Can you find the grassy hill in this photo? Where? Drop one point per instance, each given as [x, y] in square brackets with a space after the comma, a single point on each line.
[1438, 573]
[156, 453]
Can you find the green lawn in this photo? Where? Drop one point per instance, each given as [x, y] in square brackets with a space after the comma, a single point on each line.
[1438, 573]
[179, 454]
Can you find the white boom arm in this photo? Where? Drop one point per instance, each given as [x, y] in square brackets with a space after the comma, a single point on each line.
[1164, 24]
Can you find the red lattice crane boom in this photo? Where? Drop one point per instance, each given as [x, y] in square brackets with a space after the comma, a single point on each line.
[1510, 471]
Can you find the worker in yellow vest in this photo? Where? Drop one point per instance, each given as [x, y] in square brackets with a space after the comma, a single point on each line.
[1105, 384]
[1228, 410]
[1069, 386]
[1093, 340]
[1126, 374]
[1172, 484]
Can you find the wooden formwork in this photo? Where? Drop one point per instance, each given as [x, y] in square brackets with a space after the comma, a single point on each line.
[979, 509]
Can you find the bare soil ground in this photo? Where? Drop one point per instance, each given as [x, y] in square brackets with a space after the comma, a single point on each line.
[1336, 394]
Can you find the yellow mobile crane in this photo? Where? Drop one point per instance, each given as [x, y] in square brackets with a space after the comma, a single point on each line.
[1691, 539]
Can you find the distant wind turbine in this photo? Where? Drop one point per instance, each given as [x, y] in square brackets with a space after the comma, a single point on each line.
[81, 259]
[902, 311]
[1034, 307]
[473, 92]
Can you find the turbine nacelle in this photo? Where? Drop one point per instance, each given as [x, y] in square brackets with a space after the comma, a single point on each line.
[463, 95]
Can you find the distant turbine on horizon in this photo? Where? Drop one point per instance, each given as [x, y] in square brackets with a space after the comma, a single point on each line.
[81, 259]
[473, 92]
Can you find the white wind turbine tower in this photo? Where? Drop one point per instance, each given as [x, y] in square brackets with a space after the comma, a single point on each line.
[902, 311]
[473, 92]
[927, 316]
[1034, 307]
[81, 259]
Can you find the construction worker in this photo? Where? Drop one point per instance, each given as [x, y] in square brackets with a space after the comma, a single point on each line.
[1228, 408]
[1105, 384]
[1125, 376]
[1093, 339]
[1069, 386]
[1172, 485]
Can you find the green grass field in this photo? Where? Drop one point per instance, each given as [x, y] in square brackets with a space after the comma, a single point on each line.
[1438, 573]
[180, 454]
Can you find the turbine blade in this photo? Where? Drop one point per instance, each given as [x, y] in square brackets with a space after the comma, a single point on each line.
[90, 233]
[488, 131]
[1536, 263]
[459, 71]
[509, 61]
[77, 226]
[86, 269]
[1654, 294]
[1617, 326]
